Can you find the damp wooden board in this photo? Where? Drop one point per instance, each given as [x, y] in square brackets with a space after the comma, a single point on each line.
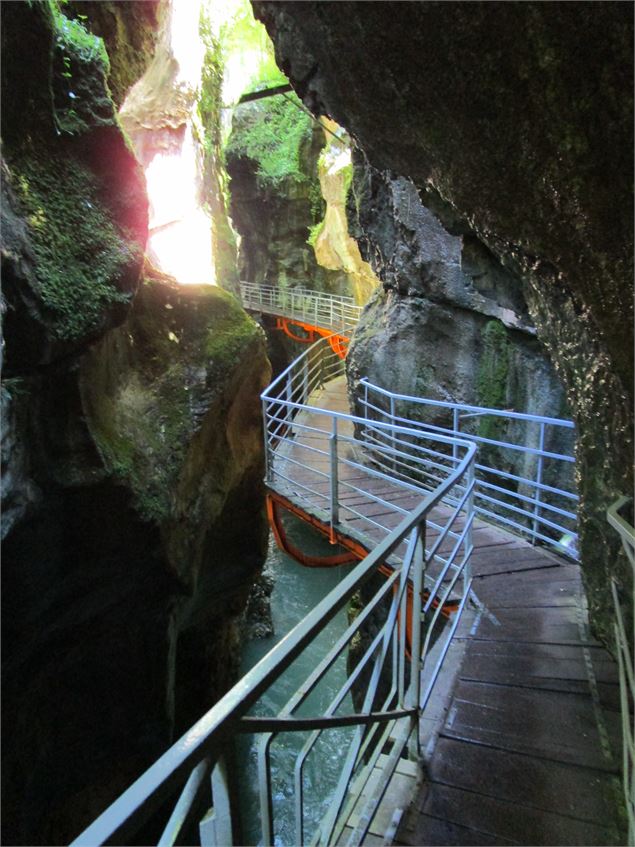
[519, 758]
[580, 793]
[513, 821]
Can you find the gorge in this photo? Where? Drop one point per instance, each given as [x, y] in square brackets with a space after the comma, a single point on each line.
[464, 171]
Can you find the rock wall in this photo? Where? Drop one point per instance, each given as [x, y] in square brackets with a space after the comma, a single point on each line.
[335, 248]
[129, 31]
[514, 122]
[274, 218]
[451, 324]
[137, 478]
[131, 453]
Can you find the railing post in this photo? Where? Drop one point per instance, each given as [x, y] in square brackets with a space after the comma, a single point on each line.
[393, 438]
[289, 394]
[538, 480]
[265, 432]
[218, 829]
[333, 480]
[456, 423]
[469, 515]
[418, 565]
[305, 379]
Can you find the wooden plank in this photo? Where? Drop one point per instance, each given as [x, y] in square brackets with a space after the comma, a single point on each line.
[571, 657]
[548, 724]
[581, 793]
[539, 624]
[513, 821]
[430, 830]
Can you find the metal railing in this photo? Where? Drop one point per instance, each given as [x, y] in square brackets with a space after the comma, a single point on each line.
[388, 657]
[625, 663]
[329, 311]
[518, 474]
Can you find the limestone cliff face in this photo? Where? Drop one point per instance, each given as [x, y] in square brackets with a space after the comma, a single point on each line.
[335, 248]
[129, 31]
[450, 323]
[74, 207]
[294, 231]
[514, 122]
[131, 453]
[273, 219]
[141, 531]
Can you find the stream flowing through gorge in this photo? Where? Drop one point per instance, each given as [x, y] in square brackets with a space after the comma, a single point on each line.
[297, 590]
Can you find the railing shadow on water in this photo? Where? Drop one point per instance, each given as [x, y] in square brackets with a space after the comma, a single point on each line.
[379, 697]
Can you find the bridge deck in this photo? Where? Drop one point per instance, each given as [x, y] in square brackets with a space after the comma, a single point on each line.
[525, 749]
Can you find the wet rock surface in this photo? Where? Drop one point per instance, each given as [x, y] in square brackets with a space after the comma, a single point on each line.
[131, 453]
[137, 530]
[514, 123]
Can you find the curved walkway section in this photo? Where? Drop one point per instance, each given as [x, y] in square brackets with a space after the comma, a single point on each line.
[330, 312]
[522, 749]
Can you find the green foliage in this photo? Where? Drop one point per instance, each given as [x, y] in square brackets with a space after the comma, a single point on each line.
[75, 41]
[491, 383]
[273, 139]
[245, 36]
[314, 233]
[317, 201]
[80, 67]
[79, 250]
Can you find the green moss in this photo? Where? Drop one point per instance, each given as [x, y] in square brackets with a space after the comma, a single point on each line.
[348, 179]
[491, 382]
[314, 233]
[79, 249]
[215, 190]
[273, 139]
[72, 35]
[80, 67]
[185, 345]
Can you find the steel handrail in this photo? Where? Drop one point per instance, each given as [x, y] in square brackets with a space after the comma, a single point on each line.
[200, 752]
[328, 311]
[625, 658]
[499, 495]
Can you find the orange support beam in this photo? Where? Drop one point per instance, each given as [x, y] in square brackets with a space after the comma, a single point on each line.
[354, 551]
[339, 343]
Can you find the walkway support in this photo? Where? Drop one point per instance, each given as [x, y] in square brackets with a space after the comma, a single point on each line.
[382, 483]
[377, 707]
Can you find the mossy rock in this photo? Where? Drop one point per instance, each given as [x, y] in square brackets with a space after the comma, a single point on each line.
[74, 202]
[150, 387]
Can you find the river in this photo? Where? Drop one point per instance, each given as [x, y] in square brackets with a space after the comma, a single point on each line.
[296, 591]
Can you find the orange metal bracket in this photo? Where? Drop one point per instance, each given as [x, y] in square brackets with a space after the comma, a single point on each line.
[354, 550]
[339, 343]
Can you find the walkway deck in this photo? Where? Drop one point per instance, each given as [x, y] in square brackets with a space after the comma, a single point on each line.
[526, 750]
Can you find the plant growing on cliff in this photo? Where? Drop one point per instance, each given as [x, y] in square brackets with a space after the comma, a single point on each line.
[273, 138]
[491, 381]
[214, 189]
[79, 68]
[79, 250]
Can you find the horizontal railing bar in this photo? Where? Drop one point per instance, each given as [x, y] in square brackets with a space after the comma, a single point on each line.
[291, 724]
[540, 504]
[524, 530]
[425, 401]
[518, 511]
[541, 486]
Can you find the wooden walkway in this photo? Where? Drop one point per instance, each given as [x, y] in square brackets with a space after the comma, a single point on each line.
[526, 747]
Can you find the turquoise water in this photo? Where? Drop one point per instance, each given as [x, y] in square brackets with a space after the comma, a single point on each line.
[296, 592]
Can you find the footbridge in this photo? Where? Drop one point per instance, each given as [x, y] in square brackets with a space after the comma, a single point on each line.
[471, 704]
